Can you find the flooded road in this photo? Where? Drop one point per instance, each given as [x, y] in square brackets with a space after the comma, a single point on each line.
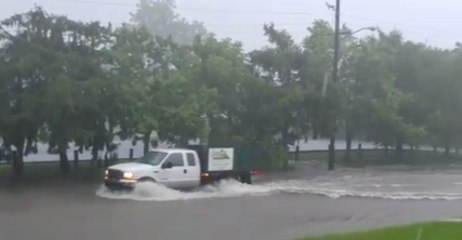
[287, 206]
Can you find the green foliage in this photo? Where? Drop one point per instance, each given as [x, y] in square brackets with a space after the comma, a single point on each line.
[64, 81]
[160, 19]
[154, 77]
[280, 64]
[427, 231]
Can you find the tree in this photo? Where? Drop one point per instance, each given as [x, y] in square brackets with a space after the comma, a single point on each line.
[221, 68]
[23, 54]
[65, 82]
[440, 91]
[280, 65]
[318, 49]
[160, 19]
[137, 56]
[161, 98]
[77, 65]
[102, 97]
[380, 70]
[58, 62]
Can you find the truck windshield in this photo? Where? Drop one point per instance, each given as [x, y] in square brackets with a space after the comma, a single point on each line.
[153, 158]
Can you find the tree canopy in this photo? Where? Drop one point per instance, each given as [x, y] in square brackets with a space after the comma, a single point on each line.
[64, 81]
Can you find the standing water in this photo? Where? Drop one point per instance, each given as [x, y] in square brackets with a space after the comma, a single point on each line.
[392, 182]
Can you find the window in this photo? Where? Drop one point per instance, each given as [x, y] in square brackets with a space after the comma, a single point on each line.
[176, 159]
[191, 159]
[153, 158]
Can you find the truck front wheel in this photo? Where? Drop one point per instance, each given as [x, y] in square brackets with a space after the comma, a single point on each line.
[147, 179]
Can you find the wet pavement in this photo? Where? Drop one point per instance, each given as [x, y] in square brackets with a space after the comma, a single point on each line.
[81, 213]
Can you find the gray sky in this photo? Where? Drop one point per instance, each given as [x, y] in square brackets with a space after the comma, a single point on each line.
[430, 21]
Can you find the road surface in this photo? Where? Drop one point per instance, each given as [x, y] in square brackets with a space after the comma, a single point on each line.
[290, 210]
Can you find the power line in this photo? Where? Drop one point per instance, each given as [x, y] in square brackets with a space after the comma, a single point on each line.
[96, 3]
[277, 24]
[218, 11]
[245, 11]
[392, 23]
[238, 11]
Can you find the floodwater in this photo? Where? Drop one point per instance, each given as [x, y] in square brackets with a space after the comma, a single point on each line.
[391, 182]
[307, 201]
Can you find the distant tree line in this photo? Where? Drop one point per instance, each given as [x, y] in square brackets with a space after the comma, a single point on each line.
[64, 81]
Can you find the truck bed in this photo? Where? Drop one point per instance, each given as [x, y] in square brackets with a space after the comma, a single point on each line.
[239, 172]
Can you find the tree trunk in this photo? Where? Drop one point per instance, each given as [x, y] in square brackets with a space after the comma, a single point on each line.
[183, 142]
[63, 160]
[18, 160]
[76, 159]
[106, 158]
[94, 153]
[108, 153]
[399, 148]
[331, 161]
[109, 145]
[146, 142]
[348, 138]
[447, 150]
[285, 134]
[18, 164]
[29, 147]
[285, 142]
[297, 153]
[99, 161]
[97, 145]
[315, 133]
[412, 151]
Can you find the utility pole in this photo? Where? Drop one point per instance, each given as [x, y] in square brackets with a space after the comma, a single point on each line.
[331, 164]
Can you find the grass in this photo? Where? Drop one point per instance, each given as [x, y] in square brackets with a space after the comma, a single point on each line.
[49, 173]
[425, 231]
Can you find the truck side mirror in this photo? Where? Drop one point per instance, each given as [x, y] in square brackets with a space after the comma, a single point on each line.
[167, 165]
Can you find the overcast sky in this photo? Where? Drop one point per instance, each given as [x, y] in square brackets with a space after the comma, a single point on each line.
[430, 21]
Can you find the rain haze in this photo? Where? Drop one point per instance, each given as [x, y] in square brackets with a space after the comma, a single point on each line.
[431, 22]
[157, 130]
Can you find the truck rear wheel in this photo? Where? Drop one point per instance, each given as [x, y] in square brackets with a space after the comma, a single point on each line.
[246, 178]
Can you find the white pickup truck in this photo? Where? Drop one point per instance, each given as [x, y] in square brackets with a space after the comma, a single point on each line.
[177, 168]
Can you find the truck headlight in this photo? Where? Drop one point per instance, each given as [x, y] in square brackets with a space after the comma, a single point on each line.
[128, 175]
[106, 172]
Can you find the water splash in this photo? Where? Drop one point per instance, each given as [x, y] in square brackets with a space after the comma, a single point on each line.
[156, 192]
[223, 189]
[389, 183]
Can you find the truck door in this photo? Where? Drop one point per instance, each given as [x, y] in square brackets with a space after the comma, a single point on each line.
[173, 171]
[193, 171]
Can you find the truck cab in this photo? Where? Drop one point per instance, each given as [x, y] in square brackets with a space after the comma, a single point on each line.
[174, 168]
